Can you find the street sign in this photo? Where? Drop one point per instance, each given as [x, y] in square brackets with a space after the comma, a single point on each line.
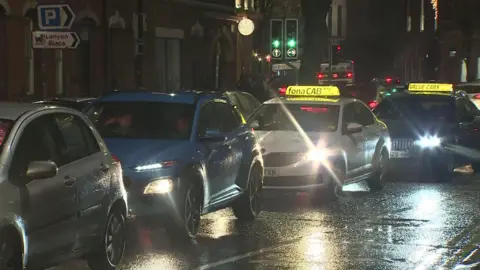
[291, 53]
[55, 17]
[276, 53]
[55, 40]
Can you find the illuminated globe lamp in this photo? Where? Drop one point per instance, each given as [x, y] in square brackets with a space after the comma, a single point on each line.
[246, 27]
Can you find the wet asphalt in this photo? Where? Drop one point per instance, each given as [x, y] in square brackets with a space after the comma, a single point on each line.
[408, 225]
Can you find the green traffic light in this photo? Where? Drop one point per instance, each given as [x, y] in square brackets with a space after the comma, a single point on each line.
[291, 43]
[276, 43]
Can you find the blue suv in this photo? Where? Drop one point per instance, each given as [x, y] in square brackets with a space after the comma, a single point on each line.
[183, 155]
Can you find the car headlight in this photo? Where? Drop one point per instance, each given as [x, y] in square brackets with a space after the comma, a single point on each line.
[429, 141]
[160, 186]
[316, 155]
[154, 166]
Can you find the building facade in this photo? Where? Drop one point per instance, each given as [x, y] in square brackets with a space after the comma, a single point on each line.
[189, 44]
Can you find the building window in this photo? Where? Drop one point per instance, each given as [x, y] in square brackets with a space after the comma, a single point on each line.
[422, 15]
[167, 64]
[340, 21]
[409, 17]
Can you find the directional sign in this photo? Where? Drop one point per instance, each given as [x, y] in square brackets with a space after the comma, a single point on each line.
[55, 40]
[276, 53]
[292, 52]
[55, 17]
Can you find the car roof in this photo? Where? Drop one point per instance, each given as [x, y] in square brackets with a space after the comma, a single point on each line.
[299, 100]
[72, 99]
[13, 110]
[424, 96]
[181, 97]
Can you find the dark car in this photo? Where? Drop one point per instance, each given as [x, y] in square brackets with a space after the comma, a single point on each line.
[62, 192]
[78, 104]
[431, 129]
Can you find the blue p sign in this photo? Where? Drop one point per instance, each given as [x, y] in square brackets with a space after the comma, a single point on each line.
[55, 17]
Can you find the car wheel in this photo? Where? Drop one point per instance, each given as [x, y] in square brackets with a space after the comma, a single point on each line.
[379, 177]
[443, 169]
[335, 182]
[249, 205]
[110, 253]
[10, 253]
[184, 226]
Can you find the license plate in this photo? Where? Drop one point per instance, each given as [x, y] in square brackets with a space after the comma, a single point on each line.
[400, 154]
[270, 172]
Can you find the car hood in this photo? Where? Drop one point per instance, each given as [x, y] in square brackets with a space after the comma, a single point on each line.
[417, 128]
[290, 141]
[132, 152]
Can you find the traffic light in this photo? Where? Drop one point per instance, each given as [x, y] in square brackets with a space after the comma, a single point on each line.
[276, 38]
[291, 39]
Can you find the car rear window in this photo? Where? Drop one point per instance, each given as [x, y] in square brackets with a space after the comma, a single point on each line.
[5, 126]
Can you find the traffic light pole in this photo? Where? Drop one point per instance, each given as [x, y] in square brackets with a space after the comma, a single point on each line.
[330, 60]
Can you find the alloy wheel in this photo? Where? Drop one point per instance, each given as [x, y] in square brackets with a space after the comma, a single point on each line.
[192, 212]
[115, 239]
[255, 193]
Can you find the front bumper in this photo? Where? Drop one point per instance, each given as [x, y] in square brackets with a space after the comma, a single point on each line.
[298, 183]
[416, 158]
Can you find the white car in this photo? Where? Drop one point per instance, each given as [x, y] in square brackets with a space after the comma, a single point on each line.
[473, 91]
[313, 137]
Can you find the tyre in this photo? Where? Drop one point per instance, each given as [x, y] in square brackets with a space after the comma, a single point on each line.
[10, 252]
[109, 254]
[184, 226]
[377, 180]
[443, 169]
[249, 205]
[335, 182]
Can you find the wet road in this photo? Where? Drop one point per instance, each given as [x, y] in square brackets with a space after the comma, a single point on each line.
[406, 226]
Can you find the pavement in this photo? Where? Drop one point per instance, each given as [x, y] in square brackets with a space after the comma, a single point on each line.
[408, 225]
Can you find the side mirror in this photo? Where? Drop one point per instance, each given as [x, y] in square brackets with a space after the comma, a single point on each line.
[212, 135]
[41, 169]
[354, 128]
[255, 124]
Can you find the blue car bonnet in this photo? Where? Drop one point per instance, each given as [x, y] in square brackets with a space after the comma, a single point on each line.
[134, 152]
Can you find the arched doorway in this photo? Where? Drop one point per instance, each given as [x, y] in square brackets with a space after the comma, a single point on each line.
[3, 53]
[35, 58]
[84, 27]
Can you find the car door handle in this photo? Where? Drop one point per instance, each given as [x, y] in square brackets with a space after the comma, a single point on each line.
[69, 181]
[104, 168]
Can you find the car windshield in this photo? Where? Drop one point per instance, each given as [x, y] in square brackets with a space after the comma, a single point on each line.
[417, 107]
[310, 117]
[143, 120]
[470, 89]
[5, 126]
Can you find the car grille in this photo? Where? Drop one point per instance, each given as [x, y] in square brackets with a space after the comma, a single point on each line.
[292, 181]
[281, 159]
[402, 144]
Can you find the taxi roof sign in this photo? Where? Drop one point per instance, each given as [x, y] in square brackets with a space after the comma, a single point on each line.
[313, 91]
[430, 87]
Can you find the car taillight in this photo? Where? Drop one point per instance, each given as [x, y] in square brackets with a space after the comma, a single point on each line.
[372, 104]
[335, 75]
[320, 75]
[476, 96]
[349, 75]
[115, 158]
[282, 90]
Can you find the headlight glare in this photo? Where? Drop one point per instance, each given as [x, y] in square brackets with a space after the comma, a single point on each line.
[429, 141]
[161, 186]
[316, 155]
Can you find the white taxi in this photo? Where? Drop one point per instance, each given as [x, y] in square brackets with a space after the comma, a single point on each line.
[312, 139]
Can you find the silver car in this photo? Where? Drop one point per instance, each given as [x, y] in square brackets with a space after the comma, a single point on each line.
[61, 192]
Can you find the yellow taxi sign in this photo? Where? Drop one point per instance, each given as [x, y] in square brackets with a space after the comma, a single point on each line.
[430, 87]
[313, 99]
[313, 91]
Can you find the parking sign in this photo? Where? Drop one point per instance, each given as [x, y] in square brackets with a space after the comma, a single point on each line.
[55, 17]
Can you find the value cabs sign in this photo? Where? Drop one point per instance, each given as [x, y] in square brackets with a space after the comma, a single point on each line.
[313, 91]
[430, 87]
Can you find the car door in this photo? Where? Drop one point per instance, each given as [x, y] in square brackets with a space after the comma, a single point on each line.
[468, 124]
[87, 166]
[371, 131]
[236, 139]
[216, 152]
[49, 206]
[353, 144]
